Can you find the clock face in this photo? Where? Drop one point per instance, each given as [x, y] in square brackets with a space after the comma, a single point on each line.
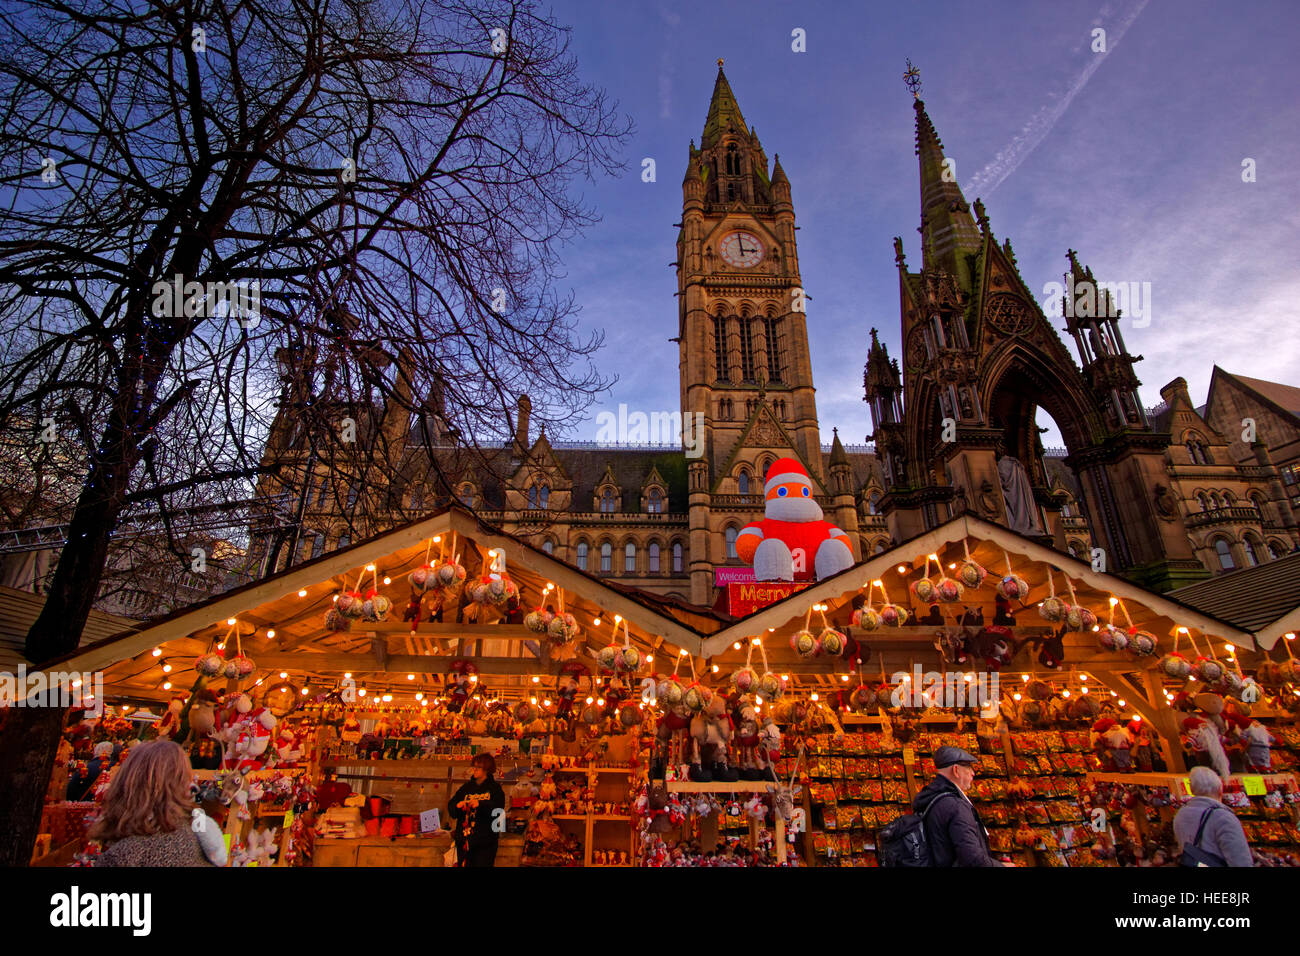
[741, 249]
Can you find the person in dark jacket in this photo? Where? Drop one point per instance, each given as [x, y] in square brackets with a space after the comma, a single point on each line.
[952, 827]
[474, 808]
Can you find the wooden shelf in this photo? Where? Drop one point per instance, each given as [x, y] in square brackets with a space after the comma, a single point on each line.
[740, 786]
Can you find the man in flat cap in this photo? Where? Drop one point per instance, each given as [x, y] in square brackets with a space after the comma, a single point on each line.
[952, 827]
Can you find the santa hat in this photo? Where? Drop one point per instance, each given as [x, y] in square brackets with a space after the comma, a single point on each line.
[786, 471]
[1237, 719]
[1134, 727]
[1191, 723]
[1103, 725]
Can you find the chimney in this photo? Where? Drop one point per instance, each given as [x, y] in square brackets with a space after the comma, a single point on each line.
[521, 424]
[1177, 387]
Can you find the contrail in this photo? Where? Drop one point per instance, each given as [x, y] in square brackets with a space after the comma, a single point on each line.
[1035, 131]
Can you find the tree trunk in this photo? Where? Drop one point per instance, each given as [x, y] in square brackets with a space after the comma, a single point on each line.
[28, 745]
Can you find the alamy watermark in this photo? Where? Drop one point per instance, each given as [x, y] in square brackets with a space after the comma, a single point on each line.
[210, 300]
[61, 689]
[664, 428]
[950, 689]
[1089, 299]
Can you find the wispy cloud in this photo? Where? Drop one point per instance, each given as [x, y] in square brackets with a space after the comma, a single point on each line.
[1040, 124]
[667, 64]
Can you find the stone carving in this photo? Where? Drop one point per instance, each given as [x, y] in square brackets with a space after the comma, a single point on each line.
[1018, 495]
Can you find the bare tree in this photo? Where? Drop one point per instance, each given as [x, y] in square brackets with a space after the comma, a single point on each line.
[366, 180]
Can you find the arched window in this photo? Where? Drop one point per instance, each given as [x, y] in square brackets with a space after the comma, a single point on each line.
[1217, 500]
[654, 557]
[465, 494]
[582, 556]
[873, 503]
[742, 482]
[607, 501]
[677, 557]
[1204, 499]
[733, 161]
[731, 542]
[345, 539]
[318, 545]
[606, 557]
[1225, 555]
[1276, 549]
[324, 492]
[776, 353]
[879, 548]
[1194, 451]
[548, 546]
[544, 498]
[746, 350]
[720, 351]
[655, 502]
[1248, 548]
[1066, 510]
[1074, 549]
[629, 557]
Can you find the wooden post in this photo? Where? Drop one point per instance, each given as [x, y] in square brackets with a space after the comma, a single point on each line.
[1170, 744]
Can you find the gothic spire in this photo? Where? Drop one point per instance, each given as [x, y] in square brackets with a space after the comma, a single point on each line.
[947, 229]
[724, 111]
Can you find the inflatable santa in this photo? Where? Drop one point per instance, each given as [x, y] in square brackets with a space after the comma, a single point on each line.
[792, 542]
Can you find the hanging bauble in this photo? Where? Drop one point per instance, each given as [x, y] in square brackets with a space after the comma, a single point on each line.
[423, 578]
[804, 643]
[629, 716]
[607, 658]
[893, 615]
[867, 618]
[831, 642]
[971, 573]
[1033, 711]
[1112, 638]
[923, 590]
[351, 604]
[1052, 609]
[230, 670]
[1231, 683]
[744, 680]
[629, 659]
[449, 574]
[563, 628]
[863, 699]
[697, 697]
[1289, 671]
[243, 666]
[334, 621]
[1083, 707]
[670, 692]
[538, 621]
[525, 712]
[1013, 588]
[1038, 690]
[1176, 666]
[376, 607]
[1209, 670]
[949, 590]
[770, 687]
[591, 714]
[210, 665]
[1142, 643]
[1079, 618]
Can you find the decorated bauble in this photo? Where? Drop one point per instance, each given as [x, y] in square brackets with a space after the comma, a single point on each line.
[886, 699]
[893, 615]
[376, 608]
[923, 590]
[1112, 638]
[1249, 692]
[971, 573]
[863, 699]
[831, 642]
[744, 680]
[1038, 690]
[629, 716]
[1052, 609]
[1083, 707]
[525, 712]
[422, 578]
[804, 643]
[210, 665]
[697, 697]
[243, 666]
[448, 574]
[1269, 674]
[563, 628]
[867, 618]
[629, 659]
[334, 621]
[607, 658]
[1033, 711]
[1142, 643]
[1230, 683]
[770, 687]
[230, 670]
[538, 621]
[1209, 670]
[1289, 671]
[1013, 588]
[949, 590]
[1176, 666]
[591, 714]
[351, 604]
[670, 692]
[1079, 618]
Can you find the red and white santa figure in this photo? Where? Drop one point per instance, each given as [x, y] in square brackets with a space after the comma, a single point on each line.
[255, 733]
[792, 531]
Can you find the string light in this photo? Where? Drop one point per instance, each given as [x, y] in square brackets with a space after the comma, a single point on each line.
[230, 621]
[167, 685]
[270, 634]
[536, 679]
[284, 675]
[347, 676]
[736, 646]
[157, 652]
[302, 592]
[387, 579]
[649, 658]
[902, 569]
[167, 668]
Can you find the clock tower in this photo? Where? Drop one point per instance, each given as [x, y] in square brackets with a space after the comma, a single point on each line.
[742, 326]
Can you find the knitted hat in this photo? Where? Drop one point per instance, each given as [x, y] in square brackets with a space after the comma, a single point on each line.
[786, 471]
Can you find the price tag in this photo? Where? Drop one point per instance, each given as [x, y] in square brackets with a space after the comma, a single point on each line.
[1254, 786]
[430, 821]
[1186, 784]
[909, 756]
[288, 819]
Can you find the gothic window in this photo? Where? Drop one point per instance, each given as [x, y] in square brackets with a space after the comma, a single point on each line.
[731, 192]
[654, 557]
[465, 493]
[1217, 500]
[1075, 550]
[677, 557]
[655, 502]
[345, 539]
[775, 349]
[1276, 549]
[607, 501]
[1252, 556]
[746, 351]
[879, 548]
[629, 557]
[742, 482]
[318, 546]
[1225, 555]
[873, 503]
[1204, 499]
[532, 496]
[733, 161]
[1229, 499]
[606, 557]
[324, 492]
[1290, 474]
[731, 542]
[352, 494]
[720, 348]
[582, 556]
[544, 497]
[548, 546]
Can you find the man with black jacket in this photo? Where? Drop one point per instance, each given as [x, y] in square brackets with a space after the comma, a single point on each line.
[475, 808]
[953, 830]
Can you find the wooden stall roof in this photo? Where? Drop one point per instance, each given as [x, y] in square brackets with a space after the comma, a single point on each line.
[1264, 600]
[19, 610]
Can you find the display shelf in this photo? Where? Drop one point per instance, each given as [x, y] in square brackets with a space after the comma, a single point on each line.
[1167, 779]
[740, 786]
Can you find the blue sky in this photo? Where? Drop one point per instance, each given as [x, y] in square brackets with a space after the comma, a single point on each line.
[1133, 157]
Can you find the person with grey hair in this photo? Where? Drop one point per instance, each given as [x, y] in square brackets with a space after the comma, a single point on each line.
[1209, 833]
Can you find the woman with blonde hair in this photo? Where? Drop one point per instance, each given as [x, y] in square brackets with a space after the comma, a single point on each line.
[148, 816]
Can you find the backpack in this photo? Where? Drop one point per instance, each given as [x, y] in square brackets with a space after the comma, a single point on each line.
[903, 842]
[1196, 855]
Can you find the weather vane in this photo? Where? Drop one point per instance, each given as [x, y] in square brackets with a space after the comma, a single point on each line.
[719, 63]
[913, 79]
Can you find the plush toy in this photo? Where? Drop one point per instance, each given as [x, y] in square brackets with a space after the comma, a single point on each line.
[1140, 746]
[995, 645]
[170, 724]
[250, 738]
[1257, 741]
[1201, 737]
[286, 747]
[792, 542]
[1112, 744]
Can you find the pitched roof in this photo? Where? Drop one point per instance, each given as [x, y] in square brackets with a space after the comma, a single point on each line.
[723, 111]
[1284, 398]
[19, 610]
[1251, 598]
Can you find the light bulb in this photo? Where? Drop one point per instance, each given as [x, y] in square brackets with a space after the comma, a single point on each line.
[302, 592]
[536, 679]
[600, 701]
[230, 621]
[1121, 702]
[845, 677]
[410, 677]
[1015, 696]
[1114, 601]
[157, 652]
[270, 634]
[1083, 677]
[1065, 693]
[1025, 678]
[878, 582]
[715, 668]
[167, 668]
[347, 676]
[370, 567]
[596, 621]
[1083, 690]
[649, 658]
[387, 698]
[167, 685]
[387, 579]
[284, 675]
[813, 696]
[1229, 648]
[736, 646]
[304, 692]
[758, 641]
